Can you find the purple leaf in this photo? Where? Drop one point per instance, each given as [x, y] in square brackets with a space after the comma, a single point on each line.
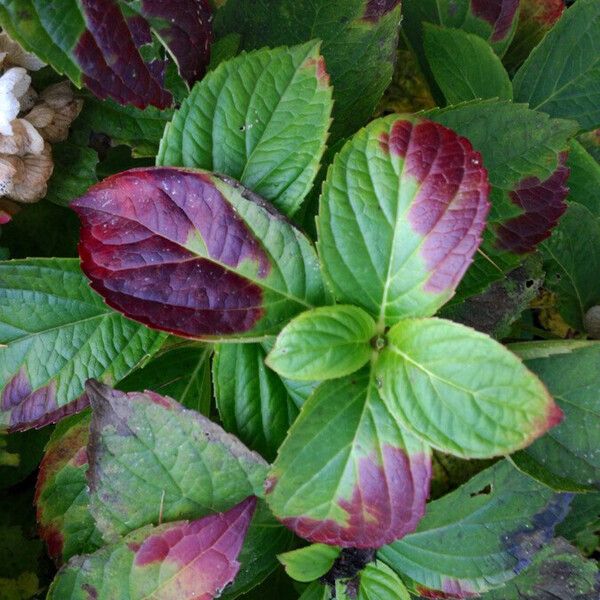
[189, 253]
[499, 14]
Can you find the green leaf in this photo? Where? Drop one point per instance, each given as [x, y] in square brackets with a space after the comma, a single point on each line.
[316, 591]
[558, 572]
[261, 118]
[62, 499]
[323, 343]
[359, 41]
[561, 77]
[53, 329]
[183, 560]
[572, 263]
[398, 222]
[253, 401]
[154, 460]
[142, 130]
[309, 563]
[492, 20]
[379, 582]
[464, 65]
[181, 370]
[348, 474]
[74, 168]
[461, 391]
[584, 180]
[571, 450]
[479, 536]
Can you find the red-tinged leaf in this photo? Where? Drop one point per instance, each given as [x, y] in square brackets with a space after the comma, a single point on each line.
[499, 14]
[28, 407]
[184, 26]
[103, 43]
[348, 474]
[195, 254]
[402, 212]
[110, 61]
[176, 561]
[543, 203]
[61, 495]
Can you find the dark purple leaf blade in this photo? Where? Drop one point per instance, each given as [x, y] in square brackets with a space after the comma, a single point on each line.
[190, 253]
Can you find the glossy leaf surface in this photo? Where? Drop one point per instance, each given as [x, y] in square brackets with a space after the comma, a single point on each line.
[182, 560]
[373, 477]
[309, 563]
[561, 77]
[465, 66]
[401, 216]
[359, 41]
[461, 391]
[261, 118]
[195, 254]
[379, 582]
[253, 401]
[324, 343]
[62, 499]
[479, 536]
[99, 43]
[52, 339]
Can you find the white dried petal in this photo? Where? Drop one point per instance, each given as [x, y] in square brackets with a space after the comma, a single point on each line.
[14, 83]
[25, 139]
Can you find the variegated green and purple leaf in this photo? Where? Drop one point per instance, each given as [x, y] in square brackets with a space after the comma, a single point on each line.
[195, 254]
[401, 216]
[479, 536]
[62, 500]
[52, 339]
[151, 460]
[524, 152]
[175, 561]
[461, 391]
[348, 473]
[184, 466]
[100, 43]
[261, 118]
